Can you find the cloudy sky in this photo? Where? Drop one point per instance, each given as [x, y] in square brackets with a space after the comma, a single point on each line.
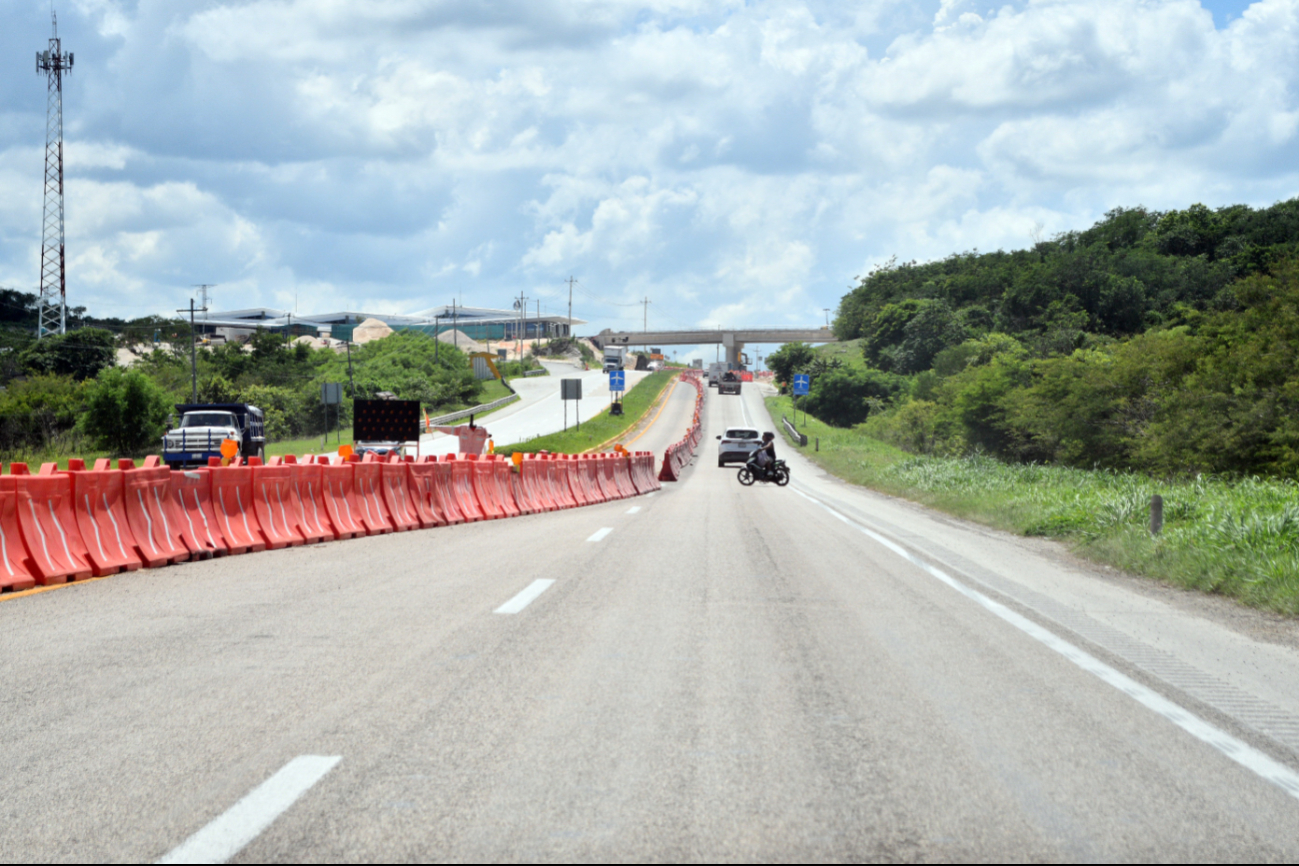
[735, 162]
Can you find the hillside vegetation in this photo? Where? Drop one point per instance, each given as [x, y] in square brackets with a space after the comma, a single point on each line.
[1164, 343]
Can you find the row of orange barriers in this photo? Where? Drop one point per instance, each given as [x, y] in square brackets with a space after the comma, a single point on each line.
[58, 526]
[680, 453]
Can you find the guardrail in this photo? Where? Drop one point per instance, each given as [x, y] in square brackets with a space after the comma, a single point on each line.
[540, 372]
[800, 438]
[476, 410]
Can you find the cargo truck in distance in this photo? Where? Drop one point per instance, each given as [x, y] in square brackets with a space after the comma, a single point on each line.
[613, 357]
[204, 426]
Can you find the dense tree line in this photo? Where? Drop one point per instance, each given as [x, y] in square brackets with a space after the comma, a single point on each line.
[65, 392]
[1164, 342]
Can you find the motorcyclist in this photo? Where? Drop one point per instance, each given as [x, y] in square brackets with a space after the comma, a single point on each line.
[764, 456]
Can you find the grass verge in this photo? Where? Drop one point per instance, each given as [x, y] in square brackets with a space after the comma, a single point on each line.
[309, 444]
[1234, 537]
[602, 426]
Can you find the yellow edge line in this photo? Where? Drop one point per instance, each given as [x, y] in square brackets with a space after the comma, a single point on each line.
[9, 596]
[675, 380]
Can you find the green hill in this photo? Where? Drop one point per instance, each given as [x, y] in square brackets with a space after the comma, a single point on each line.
[1161, 342]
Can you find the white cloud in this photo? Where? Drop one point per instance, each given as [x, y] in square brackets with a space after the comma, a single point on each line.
[735, 161]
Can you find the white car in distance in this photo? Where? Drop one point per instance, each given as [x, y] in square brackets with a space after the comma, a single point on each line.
[737, 445]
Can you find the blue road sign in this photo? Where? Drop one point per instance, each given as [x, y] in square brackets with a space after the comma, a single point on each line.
[802, 384]
[617, 380]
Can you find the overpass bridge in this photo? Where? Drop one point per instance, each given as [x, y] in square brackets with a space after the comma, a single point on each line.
[734, 339]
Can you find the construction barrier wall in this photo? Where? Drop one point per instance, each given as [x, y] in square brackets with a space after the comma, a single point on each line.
[58, 526]
[680, 453]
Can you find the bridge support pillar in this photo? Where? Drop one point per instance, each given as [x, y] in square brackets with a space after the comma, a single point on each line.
[734, 351]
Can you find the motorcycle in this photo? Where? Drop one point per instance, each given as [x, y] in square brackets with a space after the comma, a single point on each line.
[777, 473]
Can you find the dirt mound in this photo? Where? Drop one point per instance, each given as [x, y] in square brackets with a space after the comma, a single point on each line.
[370, 329]
[461, 340]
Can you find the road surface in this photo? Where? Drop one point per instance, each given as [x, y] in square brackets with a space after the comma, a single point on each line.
[710, 673]
[539, 410]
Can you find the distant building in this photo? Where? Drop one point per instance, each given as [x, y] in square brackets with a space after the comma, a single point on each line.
[477, 323]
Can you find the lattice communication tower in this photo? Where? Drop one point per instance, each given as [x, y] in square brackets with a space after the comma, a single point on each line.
[52, 317]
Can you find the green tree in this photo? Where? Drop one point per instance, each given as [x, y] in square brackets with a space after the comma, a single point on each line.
[80, 354]
[789, 359]
[126, 412]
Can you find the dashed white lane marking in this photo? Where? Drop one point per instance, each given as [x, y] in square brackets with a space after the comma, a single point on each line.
[525, 598]
[227, 835]
[633, 509]
[600, 534]
[1237, 750]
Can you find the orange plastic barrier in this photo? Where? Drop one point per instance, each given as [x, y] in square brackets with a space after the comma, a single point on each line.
[307, 497]
[462, 487]
[367, 481]
[539, 471]
[232, 502]
[101, 518]
[532, 480]
[273, 505]
[503, 489]
[556, 482]
[644, 476]
[191, 494]
[396, 494]
[14, 575]
[150, 512]
[47, 526]
[591, 479]
[570, 473]
[484, 483]
[443, 492]
[341, 506]
[679, 454]
[622, 475]
[515, 480]
[605, 476]
[421, 477]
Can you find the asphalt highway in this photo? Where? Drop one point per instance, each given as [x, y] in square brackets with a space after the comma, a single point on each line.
[709, 673]
[539, 409]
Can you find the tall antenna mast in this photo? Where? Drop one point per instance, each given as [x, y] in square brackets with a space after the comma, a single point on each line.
[52, 311]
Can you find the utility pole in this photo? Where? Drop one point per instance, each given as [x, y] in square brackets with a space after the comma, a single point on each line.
[455, 324]
[827, 316]
[437, 335]
[570, 305]
[193, 355]
[350, 384]
[645, 323]
[52, 309]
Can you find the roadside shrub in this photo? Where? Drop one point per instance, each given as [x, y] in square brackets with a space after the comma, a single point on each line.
[126, 412]
[33, 413]
[842, 396]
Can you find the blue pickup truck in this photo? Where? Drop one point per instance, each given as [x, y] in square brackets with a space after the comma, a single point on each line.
[204, 426]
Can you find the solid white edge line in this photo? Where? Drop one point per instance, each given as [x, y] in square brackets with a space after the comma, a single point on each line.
[1235, 749]
[600, 534]
[525, 598]
[634, 509]
[228, 833]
